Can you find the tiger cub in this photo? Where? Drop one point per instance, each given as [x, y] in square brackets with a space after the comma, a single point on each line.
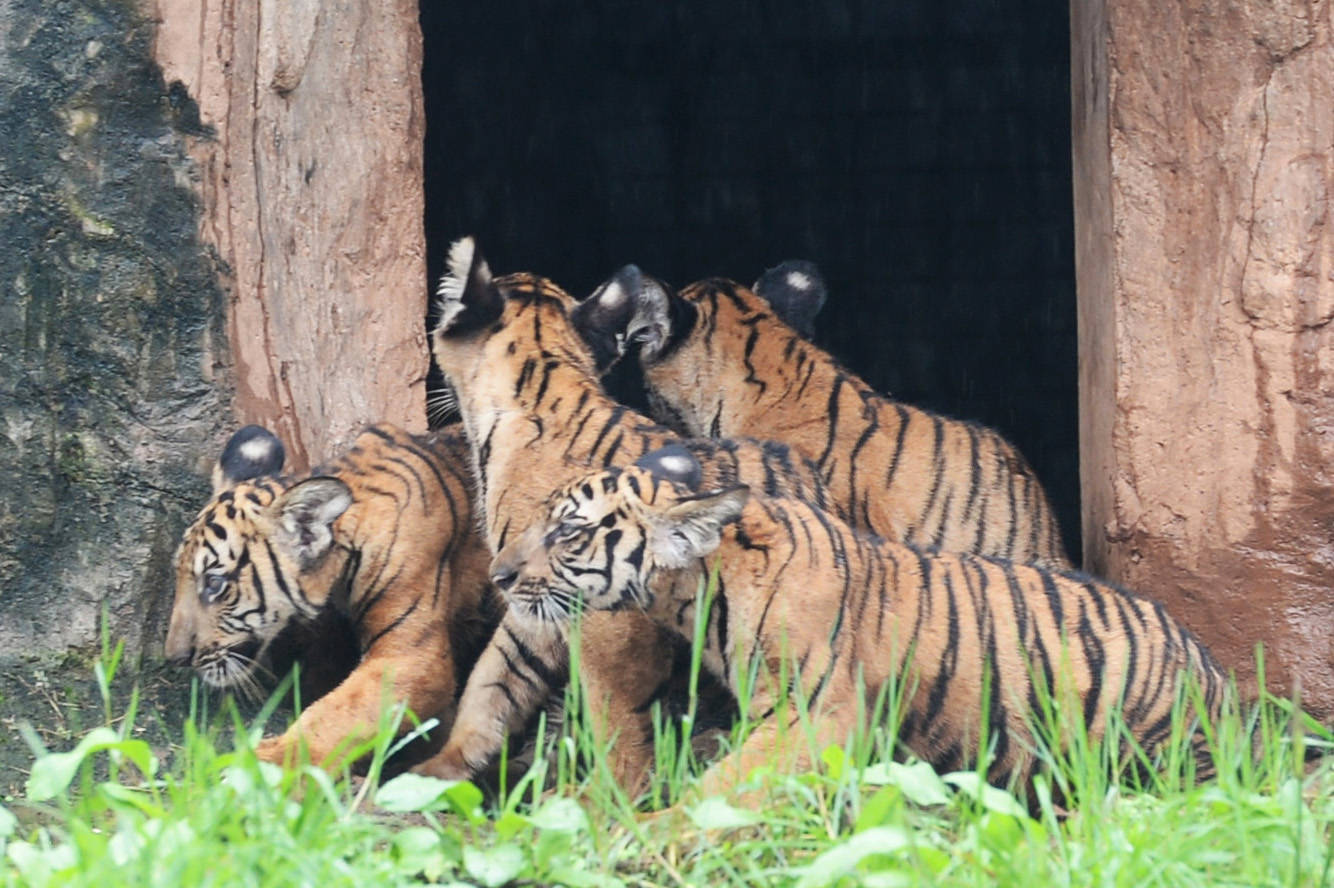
[841, 614]
[718, 360]
[536, 416]
[382, 536]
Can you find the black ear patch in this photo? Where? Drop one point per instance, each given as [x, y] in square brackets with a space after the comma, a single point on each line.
[603, 318]
[795, 290]
[251, 452]
[468, 298]
[673, 463]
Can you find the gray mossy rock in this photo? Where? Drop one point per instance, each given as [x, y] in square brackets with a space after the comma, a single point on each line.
[111, 329]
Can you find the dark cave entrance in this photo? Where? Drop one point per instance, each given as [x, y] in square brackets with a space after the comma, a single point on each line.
[918, 151]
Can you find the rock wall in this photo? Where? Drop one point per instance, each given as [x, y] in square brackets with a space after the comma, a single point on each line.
[111, 335]
[1204, 155]
[209, 214]
[312, 195]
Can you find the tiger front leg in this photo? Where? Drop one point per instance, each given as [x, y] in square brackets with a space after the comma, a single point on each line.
[787, 741]
[516, 673]
[625, 663]
[349, 715]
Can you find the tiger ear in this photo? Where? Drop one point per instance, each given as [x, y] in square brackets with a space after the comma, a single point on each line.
[467, 297]
[795, 290]
[674, 463]
[692, 527]
[629, 308]
[251, 452]
[305, 514]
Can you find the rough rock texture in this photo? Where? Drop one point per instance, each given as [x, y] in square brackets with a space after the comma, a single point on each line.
[110, 326]
[172, 268]
[1204, 155]
[312, 195]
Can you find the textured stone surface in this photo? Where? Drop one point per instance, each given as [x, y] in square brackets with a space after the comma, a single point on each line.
[110, 323]
[172, 268]
[312, 195]
[1204, 153]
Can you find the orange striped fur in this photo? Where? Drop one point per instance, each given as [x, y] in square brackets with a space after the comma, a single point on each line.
[841, 614]
[536, 416]
[383, 537]
[719, 361]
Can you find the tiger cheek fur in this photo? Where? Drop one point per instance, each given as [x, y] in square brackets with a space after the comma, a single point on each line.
[213, 628]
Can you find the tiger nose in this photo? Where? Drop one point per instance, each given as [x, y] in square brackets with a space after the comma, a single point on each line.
[180, 647]
[180, 654]
[504, 577]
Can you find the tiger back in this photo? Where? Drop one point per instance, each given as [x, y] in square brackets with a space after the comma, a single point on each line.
[843, 615]
[381, 539]
[527, 390]
[718, 360]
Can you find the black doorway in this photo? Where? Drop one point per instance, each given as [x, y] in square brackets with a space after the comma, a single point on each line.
[918, 151]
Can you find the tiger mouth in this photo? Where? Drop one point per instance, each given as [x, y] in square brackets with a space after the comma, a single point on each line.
[537, 599]
[231, 667]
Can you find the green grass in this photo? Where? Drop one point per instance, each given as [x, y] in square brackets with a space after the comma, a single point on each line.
[109, 813]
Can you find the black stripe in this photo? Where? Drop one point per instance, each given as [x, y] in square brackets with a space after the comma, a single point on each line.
[545, 673]
[398, 621]
[832, 435]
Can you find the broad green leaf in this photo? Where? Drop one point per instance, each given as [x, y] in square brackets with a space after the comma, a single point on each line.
[493, 866]
[844, 857]
[8, 822]
[717, 814]
[416, 839]
[560, 815]
[139, 753]
[52, 773]
[918, 781]
[992, 799]
[510, 824]
[835, 761]
[419, 848]
[1002, 832]
[877, 808]
[414, 792]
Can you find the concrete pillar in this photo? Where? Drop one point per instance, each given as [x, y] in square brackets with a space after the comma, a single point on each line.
[1203, 162]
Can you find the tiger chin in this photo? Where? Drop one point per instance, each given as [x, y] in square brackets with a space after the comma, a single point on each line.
[370, 562]
[724, 360]
[843, 615]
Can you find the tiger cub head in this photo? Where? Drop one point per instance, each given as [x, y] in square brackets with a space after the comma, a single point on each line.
[697, 343]
[607, 535]
[258, 557]
[500, 333]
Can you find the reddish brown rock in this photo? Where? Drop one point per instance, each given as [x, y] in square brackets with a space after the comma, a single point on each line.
[312, 195]
[1204, 155]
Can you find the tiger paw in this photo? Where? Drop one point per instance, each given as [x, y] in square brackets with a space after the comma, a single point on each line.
[271, 749]
[445, 765]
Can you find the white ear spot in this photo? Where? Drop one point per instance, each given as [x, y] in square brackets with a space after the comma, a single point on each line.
[676, 464]
[256, 449]
[799, 280]
[613, 296]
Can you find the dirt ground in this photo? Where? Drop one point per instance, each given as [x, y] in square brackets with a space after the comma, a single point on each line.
[56, 701]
